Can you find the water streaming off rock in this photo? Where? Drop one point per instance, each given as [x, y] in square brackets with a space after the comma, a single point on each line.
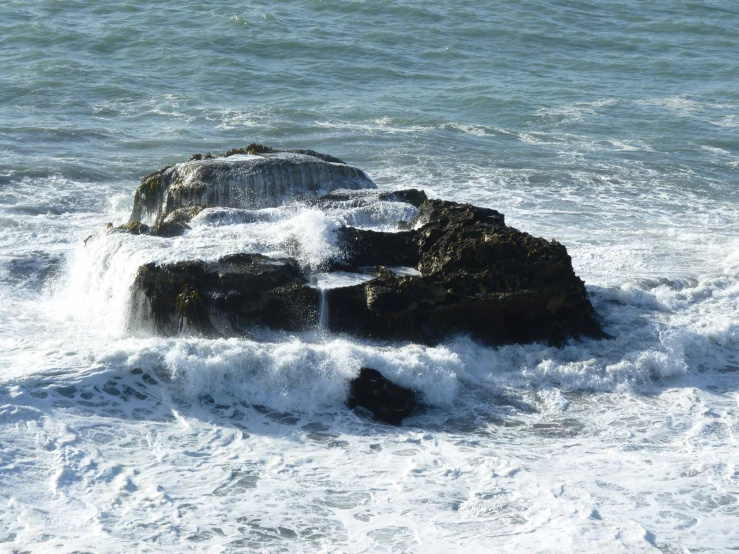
[243, 181]
[323, 311]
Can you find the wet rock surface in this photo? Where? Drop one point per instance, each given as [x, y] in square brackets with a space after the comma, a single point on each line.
[387, 401]
[253, 177]
[478, 276]
[227, 297]
[469, 273]
[357, 198]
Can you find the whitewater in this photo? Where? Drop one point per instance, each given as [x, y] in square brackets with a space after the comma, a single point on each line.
[612, 129]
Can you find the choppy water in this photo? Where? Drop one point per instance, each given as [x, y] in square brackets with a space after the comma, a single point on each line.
[613, 127]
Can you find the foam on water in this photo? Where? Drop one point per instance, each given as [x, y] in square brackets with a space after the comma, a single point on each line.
[610, 127]
[170, 465]
[600, 443]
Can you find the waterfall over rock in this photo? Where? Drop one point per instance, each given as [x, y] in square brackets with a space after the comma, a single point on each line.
[244, 180]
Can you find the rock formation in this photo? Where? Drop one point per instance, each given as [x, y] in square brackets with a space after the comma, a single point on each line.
[255, 177]
[478, 276]
[452, 269]
[475, 276]
[227, 297]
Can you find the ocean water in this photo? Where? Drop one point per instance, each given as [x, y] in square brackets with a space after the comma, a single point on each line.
[612, 127]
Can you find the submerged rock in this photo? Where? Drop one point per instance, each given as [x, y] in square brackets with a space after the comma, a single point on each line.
[176, 223]
[133, 227]
[387, 401]
[173, 225]
[251, 178]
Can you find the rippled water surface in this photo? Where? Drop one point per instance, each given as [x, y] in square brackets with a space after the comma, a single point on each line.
[613, 127]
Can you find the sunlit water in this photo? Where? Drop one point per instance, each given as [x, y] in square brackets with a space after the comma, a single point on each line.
[612, 128]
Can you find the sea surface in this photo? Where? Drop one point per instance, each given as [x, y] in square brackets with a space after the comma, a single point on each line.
[610, 126]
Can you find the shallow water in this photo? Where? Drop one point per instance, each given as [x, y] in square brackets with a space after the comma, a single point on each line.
[613, 129]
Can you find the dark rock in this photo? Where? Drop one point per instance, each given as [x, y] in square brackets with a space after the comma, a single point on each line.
[172, 225]
[466, 270]
[387, 401]
[414, 197]
[235, 151]
[367, 197]
[256, 149]
[170, 229]
[176, 223]
[478, 276]
[364, 247]
[230, 296]
[183, 215]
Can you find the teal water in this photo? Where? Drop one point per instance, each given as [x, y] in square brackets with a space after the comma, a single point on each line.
[612, 126]
[382, 83]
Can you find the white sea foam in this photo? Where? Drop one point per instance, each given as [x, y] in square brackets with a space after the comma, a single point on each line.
[115, 440]
[383, 125]
[713, 150]
[629, 146]
[537, 138]
[246, 444]
[729, 121]
[679, 104]
[192, 459]
[570, 112]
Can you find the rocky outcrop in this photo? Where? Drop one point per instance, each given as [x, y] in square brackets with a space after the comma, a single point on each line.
[478, 277]
[473, 275]
[387, 401]
[231, 296]
[447, 269]
[250, 178]
[466, 271]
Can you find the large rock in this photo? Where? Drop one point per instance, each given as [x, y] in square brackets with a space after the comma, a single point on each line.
[449, 268]
[478, 277]
[466, 270]
[470, 273]
[251, 178]
[229, 297]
